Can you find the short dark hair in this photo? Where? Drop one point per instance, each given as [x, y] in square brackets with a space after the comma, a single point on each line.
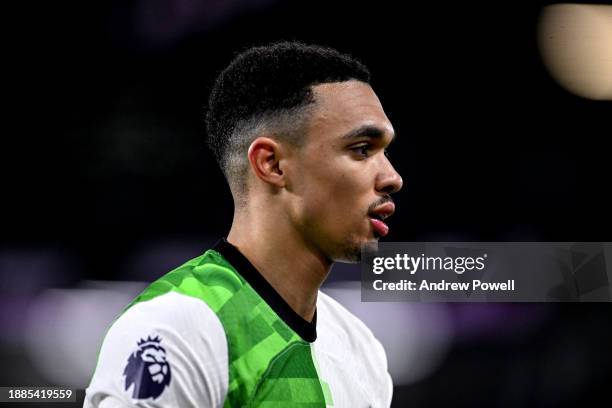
[269, 87]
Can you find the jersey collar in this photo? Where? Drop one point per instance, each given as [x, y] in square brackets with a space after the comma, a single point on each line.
[305, 329]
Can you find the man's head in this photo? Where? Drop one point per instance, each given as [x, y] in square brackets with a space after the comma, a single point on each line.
[268, 90]
[301, 126]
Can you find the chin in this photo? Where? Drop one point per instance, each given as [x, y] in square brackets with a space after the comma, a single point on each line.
[350, 251]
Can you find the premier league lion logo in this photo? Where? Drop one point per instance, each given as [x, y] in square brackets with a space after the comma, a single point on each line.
[147, 369]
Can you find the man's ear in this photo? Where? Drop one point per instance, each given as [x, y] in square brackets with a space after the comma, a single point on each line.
[264, 156]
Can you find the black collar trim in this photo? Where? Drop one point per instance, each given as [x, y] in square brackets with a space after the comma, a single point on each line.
[305, 329]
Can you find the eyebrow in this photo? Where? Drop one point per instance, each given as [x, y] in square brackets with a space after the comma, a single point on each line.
[370, 131]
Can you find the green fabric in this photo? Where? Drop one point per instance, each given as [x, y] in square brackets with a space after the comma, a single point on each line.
[269, 364]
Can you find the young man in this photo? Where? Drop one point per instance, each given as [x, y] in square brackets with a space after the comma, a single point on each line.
[301, 138]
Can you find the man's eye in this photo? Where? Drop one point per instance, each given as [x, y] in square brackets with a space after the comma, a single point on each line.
[362, 150]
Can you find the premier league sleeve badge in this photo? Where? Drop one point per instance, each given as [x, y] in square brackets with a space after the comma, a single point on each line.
[147, 370]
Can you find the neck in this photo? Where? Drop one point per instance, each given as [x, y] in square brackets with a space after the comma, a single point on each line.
[292, 267]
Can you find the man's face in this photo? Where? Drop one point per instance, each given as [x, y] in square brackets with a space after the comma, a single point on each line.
[341, 177]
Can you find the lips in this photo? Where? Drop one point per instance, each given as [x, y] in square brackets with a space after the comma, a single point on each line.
[378, 214]
[380, 228]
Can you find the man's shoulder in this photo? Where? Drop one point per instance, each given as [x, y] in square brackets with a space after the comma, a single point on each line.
[170, 307]
[182, 320]
[187, 298]
[208, 277]
[175, 333]
[174, 325]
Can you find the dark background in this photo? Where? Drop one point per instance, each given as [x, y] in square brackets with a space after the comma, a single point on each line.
[104, 157]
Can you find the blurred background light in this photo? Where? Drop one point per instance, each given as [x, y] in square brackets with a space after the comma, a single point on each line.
[64, 328]
[575, 41]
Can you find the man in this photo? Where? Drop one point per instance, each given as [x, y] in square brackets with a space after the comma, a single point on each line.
[301, 138]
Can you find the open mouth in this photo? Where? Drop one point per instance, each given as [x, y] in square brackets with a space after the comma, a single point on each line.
[378, 216]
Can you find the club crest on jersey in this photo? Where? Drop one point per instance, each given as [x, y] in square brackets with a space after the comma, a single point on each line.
[147, 369]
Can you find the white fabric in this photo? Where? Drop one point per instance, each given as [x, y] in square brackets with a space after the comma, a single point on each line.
[348, 357]
[196, 350]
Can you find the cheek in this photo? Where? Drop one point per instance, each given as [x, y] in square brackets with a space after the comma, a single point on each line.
[336, 194]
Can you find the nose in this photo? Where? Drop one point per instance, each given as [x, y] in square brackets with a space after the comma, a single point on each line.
[388, 181]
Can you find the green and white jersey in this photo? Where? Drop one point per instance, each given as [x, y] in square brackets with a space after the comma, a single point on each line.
[214, 333]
